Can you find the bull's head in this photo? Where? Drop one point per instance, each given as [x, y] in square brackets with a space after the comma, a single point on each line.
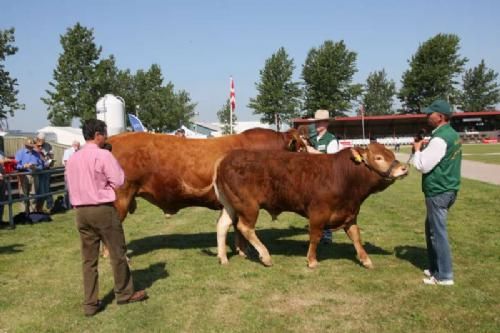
[296, 142]
[304, 134]
[381, 160]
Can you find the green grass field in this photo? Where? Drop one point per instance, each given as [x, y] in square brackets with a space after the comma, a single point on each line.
[486, 153]
[41, 288]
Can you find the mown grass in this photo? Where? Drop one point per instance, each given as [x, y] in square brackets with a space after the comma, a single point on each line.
[486, 153]
[41, 289]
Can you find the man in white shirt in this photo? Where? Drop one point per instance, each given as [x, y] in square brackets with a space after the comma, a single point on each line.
[440, 164]
[75, 146]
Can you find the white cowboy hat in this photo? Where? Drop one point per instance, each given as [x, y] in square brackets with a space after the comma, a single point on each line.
[321, 115]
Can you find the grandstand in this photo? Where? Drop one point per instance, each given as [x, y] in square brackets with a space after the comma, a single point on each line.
[483, 126]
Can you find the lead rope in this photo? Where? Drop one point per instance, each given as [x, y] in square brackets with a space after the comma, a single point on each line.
[409, 158]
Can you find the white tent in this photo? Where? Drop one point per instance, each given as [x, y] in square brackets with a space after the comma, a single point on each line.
[62, 135]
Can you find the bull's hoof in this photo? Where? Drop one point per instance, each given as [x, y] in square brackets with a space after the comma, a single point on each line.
[266, 261]
[312, 264]
[241, 253]
[367, 263]
[223, 261]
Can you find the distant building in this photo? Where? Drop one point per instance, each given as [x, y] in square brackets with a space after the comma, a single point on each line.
[208, 129]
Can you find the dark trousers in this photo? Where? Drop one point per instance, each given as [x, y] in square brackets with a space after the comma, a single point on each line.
[95, 224]
[43, 186]
[27, 186]
[3, 196]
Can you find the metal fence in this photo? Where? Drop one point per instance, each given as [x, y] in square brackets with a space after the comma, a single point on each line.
[57, 186]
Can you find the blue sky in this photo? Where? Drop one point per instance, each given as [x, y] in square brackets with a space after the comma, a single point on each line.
[199, 44]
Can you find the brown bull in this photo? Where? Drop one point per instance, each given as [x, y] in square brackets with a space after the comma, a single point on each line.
[174, 173]
[328, 189]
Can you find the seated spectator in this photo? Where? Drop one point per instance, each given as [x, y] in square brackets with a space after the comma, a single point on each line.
[28, 160]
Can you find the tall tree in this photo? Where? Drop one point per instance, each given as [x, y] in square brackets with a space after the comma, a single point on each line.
[480, 88]
[278, 96]
[224, 118]
[73, 94]
[379, 93]
[432, 73]
[8, 91]
[158, 106]
[327, 73]
[181, 110]
[147, 96]
[105, 78]
[127, 90]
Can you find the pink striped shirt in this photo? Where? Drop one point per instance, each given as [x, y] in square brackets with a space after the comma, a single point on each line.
[92, 175]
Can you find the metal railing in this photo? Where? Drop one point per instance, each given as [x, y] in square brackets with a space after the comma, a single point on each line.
[11, 178]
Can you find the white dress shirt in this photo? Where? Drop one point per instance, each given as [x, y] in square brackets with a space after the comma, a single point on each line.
[67, 154]
[425, 160]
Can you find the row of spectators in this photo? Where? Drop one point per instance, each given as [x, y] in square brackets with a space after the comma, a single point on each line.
[36, 155]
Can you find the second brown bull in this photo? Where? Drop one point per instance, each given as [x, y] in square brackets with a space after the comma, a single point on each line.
[328, 189]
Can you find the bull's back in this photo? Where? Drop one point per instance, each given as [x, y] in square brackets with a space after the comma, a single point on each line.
[175, 172]
[276, 181]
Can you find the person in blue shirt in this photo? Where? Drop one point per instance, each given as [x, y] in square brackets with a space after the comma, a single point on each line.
[28, 160]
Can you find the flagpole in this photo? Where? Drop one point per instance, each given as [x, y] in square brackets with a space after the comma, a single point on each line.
[363, 120]
[230, 106]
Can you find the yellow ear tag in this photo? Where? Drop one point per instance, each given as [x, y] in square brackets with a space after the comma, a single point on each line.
[356, 156]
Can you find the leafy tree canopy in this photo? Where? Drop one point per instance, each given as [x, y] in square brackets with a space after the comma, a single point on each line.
[8, 90]
[379, 93]
[327, 73]
[278, 96]
[480, 89]
[432, 73]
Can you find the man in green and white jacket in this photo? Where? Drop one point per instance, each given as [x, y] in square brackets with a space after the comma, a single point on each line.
[440, 164]
[323, 142]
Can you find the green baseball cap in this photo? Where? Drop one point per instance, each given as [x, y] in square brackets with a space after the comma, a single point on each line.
[439, 105]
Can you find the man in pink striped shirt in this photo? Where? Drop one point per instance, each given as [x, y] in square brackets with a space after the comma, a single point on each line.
[93, 174]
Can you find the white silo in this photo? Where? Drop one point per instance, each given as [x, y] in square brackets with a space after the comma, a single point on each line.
[111, 110]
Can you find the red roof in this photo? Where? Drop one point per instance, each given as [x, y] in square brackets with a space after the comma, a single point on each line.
[403, 116]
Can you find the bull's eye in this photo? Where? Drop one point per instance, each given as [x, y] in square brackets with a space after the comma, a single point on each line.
[378, 158]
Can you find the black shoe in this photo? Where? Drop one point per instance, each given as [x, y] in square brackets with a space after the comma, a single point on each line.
[4, 224]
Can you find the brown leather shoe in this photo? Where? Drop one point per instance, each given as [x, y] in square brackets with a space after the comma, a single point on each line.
[137, 296]
[98, 308]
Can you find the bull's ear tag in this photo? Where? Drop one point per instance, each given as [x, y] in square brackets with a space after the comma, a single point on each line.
[356, 156]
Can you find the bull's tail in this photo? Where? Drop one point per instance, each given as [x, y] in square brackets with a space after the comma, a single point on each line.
[199, 192]
[204, 190]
